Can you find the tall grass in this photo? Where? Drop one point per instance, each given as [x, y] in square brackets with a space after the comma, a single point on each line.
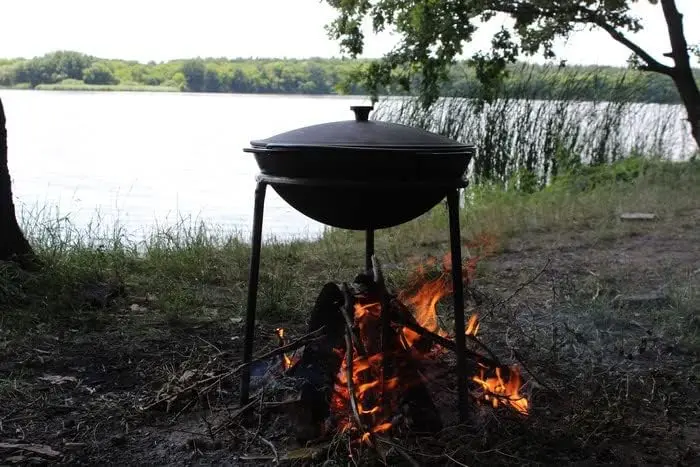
[520, 137]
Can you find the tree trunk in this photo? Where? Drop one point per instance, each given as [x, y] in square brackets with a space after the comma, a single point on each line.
[682, 73]
[13, 244]
[690, 95]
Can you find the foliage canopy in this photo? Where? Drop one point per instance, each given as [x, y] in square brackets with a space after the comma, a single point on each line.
[433, 33]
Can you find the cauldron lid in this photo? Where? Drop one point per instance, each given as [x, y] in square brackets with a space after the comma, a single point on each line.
[361, 134]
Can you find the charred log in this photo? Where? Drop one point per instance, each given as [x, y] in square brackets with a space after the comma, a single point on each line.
[319, 364]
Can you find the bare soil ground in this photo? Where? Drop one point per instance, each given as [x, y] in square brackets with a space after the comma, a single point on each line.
[619, 378]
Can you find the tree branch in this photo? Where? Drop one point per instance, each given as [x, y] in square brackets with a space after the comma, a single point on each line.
[651, 63]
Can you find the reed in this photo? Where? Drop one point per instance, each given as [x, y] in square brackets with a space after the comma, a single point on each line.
[525, 141]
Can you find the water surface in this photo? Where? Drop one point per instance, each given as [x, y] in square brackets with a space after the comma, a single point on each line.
[140, 160]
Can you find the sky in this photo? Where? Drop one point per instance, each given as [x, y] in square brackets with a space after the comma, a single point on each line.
[166, 29]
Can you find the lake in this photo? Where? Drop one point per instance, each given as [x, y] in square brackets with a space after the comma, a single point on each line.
[141, 161]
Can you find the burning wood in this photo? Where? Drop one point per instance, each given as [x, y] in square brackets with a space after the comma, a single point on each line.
[286, 359]
[365, 377]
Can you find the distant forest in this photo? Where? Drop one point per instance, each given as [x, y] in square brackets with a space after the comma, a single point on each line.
[73, 70]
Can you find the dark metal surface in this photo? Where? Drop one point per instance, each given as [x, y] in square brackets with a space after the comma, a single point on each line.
[369, 249]
[362, 112]
[359, 133]
[362, 204]
[253, 276]
[360, 170]
[273, 180]
[351, 163]
[458, 299]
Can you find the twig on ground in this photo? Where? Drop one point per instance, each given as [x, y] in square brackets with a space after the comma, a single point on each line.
[210, 344]
[272, 446]
[403, 452]
[302, 341]
[211, 381]
[533, 375]
[180, 412]
[232, 418]
[455, 460]
[524, 284]
[275, 458]
[40, 449]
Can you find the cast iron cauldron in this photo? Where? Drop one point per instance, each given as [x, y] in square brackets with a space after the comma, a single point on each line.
[361, 174]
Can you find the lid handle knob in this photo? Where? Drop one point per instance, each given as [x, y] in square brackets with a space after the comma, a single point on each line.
[362, 112]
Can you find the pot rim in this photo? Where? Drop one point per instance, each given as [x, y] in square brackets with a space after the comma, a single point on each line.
[388, 147]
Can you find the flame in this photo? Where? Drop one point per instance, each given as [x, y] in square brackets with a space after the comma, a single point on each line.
[497, 390]
[472, 325]
[428, 293]
[377, 396]
[287, 361]
[424, 303]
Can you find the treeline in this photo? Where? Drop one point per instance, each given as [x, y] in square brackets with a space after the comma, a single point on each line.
[320, 76]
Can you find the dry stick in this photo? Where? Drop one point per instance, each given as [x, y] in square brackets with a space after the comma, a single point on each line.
[351, 384]
[385, 303]
[276, 458]
[519, 358]
[412, 324]
[446, 343]
[302, 341]
[346, 311]
[400, 450]
[525, 284]
[234, 416]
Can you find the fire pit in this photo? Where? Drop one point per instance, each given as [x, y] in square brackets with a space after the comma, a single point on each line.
[367, 175]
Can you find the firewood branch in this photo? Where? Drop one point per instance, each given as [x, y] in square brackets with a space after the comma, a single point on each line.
[448, 344]
[301, 342]
[347, 311]
[204, 385]
[403, 320]
[351, 385]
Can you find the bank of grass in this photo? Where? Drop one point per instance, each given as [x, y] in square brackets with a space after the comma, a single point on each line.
[194, 268]
[77, 85]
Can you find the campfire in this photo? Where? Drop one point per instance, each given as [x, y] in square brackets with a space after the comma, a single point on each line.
[364, 368]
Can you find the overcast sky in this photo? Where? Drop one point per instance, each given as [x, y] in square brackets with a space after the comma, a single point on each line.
[165, 29]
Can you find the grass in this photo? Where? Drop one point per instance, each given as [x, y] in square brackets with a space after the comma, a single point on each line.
[526, 141]
[80, 86]
[129, 318]
[188, 267]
